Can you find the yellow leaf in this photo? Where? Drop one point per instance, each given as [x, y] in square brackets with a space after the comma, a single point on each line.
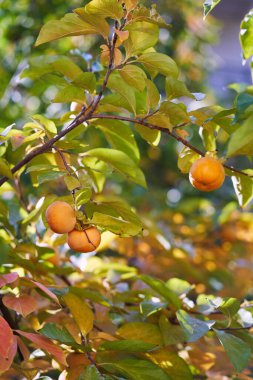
[81, 312]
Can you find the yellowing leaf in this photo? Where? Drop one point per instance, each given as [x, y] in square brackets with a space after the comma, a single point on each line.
[134, 76]
[171, 363]
[105, 8]
[157, 62]
[146, 332]
[5, 168]
[81, 312]
[70, 25]
[142, 36]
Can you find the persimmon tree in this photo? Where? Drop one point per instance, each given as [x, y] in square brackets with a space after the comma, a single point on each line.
[142, 308]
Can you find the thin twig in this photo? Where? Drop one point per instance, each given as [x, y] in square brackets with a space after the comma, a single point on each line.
[63, 159]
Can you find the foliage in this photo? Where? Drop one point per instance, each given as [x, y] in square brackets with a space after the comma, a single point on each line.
[161, 299]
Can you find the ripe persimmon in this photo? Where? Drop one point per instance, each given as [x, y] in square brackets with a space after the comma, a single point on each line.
[84, 241]
[207, 174]
[61, 217]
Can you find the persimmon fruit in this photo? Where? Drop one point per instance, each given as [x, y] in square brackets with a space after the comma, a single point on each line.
[84, 241]
[61, 217]
[207, 174]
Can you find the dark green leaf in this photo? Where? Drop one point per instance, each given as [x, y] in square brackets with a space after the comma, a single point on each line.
[237, 350]
[193, 328]
[52, 331]
[136, 369]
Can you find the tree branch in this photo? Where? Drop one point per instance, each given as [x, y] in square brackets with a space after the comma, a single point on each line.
[84, 115]
[168, 132]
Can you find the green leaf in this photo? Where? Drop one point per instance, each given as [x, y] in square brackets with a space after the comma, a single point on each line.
[83, 196]
[209, 5]
[130, 346]
[96, 171]
[91, 373]
[153, 95]
[72, 182]
[105, 8]
[52, 331]
[172, 334]
[134, 76]
[93, 295]
[176, 88]
[230, 307]
[243, 103]
[158, 62]
[176, 112]
[145, 332]
[70, 93]
[118, 85]
[160, 119]
[115, 216]
[41, 167]
[5, 168]
[87, 81]
[46, 124]
[121, 162]
[242, 139]
[193, 328]
[48, 176]
[150, 135]
[149, 307]
[186, 158]
[40, 66]
[161, 288]
[120, 136]
[136, 369]
[246, 35]
[175, 367]
[70, 25]
[142, 35]
[243, 187]
[237, 350]
[179, 286]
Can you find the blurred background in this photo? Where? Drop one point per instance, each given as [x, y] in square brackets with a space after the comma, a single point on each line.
[204, 238]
